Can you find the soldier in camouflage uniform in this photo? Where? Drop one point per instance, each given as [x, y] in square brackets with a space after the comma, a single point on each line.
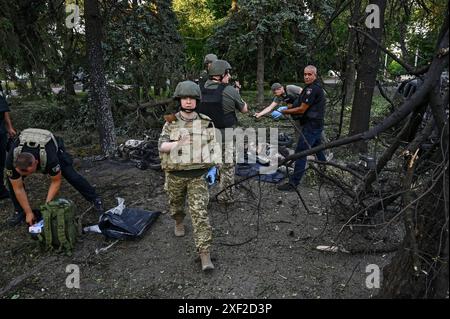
[186, 146]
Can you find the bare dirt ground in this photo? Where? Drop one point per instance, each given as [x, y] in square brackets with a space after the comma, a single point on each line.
[259, 251]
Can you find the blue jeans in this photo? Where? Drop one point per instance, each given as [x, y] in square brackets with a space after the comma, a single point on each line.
[312, 136]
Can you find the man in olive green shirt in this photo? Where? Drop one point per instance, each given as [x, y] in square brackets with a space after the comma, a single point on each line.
[220, 101]
[280, 96]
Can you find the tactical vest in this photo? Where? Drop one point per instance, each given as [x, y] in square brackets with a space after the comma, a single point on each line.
[200, 130]
[35, 138]
[211, 105]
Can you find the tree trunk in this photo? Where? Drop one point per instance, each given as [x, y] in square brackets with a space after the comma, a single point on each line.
[68, 80]
[68, 70]
[97, 89]
[420, 267]
[34, 89]
[350, 63]
[157, 90]
[66, 35]
[365, 83]
[403, 31]
[260, 73]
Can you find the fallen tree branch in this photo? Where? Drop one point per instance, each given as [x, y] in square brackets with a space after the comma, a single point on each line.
[346, 169]
[345, 188]
[411, 125]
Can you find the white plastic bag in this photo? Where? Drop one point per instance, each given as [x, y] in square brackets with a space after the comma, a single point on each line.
[92, 229]
[119, 208]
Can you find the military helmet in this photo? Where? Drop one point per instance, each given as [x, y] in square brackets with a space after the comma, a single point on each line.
[187, 88]
[276, 86]
[219, 67]
[210, 58]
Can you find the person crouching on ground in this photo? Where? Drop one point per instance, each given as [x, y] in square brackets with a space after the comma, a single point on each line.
[38, 150]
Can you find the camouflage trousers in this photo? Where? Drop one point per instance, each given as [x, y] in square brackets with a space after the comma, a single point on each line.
[195, 190]
[226, 178]
[226, 171]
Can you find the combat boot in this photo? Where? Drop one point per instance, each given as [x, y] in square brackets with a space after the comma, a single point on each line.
[179, 227]
[205, 258]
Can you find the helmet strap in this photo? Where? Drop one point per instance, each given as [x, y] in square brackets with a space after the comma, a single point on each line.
[187, 110]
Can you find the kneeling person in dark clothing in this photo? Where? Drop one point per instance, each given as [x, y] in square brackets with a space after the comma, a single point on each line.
[38, 150]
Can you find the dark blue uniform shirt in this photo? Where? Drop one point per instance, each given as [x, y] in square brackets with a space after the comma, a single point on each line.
[314, 96]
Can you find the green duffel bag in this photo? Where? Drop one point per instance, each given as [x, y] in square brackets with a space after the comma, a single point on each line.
[60, 227]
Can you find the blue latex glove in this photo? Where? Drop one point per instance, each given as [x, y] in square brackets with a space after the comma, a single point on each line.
[276, 115]
[211, 176]
[282, 108]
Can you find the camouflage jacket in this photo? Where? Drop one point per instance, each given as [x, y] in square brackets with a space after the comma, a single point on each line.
[202, 152]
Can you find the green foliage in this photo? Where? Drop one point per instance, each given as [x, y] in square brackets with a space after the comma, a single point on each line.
[35, 44]
[142, 45]
[395, 69]
[21, 34]
[197, 19]
[49, 116]
[219, 8]
[380, 107]
[283, 26]
[422, 24]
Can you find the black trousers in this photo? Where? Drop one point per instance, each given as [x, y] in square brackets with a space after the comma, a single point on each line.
[70, 175]
[3, 142]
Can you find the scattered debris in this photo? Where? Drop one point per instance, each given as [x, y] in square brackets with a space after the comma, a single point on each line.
[333, 249]
[103, 249]
[143, 152]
